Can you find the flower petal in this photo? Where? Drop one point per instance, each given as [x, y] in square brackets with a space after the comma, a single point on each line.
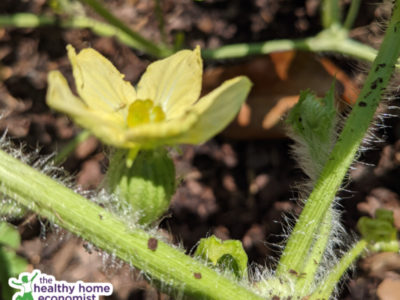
[98, 82]
[216, 110]
[174, 83]
[152, 135]
[109, 127]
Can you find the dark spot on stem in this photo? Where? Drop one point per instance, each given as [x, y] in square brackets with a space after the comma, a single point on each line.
[275, 298]
[379, 66]
[373, 85]
[362, 104]
[197, 275]
[302, 275]
[300, 119]
[152, 244]
[101, 217]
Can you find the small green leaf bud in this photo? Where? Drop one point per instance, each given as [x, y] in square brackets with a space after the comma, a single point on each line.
[228, 255]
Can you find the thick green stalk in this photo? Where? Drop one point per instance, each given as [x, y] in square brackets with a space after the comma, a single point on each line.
[162, 262]
[300, 241]
[334, 276]
[27, 20]
[307, 280]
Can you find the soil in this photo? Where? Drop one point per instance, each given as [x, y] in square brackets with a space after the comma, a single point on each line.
[236, 186]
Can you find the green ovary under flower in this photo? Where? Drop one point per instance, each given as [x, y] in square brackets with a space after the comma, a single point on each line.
[164, 109]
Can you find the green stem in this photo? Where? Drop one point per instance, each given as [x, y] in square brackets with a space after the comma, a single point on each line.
[71, 146]
[306, 281]
[27, 20]
[328, 285]
[343, 154]
[150, 47]
[162, 262]
[326, 41]
[160, 18]
[330, 13]
[352, 14]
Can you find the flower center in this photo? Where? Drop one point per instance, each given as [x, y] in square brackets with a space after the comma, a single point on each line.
[144, 111]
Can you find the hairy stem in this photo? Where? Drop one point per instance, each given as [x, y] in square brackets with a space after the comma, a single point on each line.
[300, 241]
[334, 276]
[162, 262]
[306, 281]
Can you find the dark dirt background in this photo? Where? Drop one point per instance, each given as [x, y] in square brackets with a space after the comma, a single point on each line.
[233, 188]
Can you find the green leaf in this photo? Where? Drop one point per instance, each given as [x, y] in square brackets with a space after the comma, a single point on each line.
[9, 236]
[16, 264]
[10, 263]
[227, 255]
[313, 121]
[380, 230]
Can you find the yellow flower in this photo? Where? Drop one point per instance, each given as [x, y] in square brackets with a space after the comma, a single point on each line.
[164, 109]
